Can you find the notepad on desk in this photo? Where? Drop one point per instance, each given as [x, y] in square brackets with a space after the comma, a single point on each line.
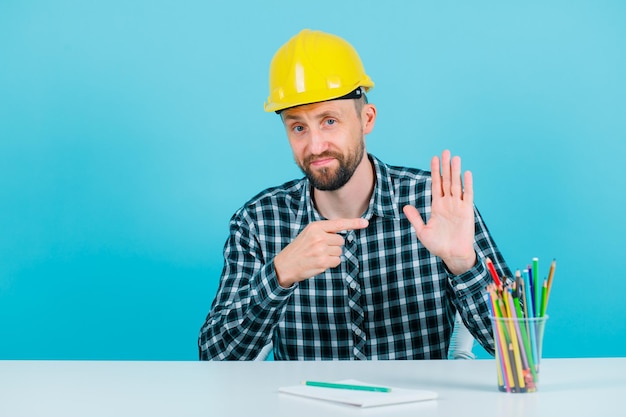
[359, 397]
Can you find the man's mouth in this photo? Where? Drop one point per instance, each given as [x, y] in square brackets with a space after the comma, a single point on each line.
[321, 162]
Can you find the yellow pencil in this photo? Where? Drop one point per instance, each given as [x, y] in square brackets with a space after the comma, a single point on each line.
[502, 331]
[501, 344]
[517, 357]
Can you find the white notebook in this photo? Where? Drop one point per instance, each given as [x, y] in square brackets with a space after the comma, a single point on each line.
[360, 398]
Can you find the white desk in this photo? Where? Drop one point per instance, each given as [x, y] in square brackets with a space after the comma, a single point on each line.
[568, 387]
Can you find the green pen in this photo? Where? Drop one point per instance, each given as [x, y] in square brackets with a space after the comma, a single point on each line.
[346, 386]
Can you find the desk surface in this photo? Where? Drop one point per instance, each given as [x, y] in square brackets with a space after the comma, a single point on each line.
[568, 387]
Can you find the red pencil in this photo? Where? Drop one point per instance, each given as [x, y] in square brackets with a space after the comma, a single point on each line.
[492, 271]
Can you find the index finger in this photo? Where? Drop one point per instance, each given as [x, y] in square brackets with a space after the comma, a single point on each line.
[334, 226]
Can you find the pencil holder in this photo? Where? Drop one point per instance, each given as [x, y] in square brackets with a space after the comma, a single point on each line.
[518, 343]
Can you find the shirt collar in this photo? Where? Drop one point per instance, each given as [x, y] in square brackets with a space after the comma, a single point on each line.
[383, 202]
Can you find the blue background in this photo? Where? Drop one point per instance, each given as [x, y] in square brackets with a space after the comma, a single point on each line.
[130, 131]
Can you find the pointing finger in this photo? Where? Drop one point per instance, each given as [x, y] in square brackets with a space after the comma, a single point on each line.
[334, 226]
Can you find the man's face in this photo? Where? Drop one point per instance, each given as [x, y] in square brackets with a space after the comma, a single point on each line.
[327, 141]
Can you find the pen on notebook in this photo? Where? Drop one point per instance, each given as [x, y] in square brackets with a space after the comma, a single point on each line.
[346, 386]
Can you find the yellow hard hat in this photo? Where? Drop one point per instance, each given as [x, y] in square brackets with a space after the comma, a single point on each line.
[314, 66]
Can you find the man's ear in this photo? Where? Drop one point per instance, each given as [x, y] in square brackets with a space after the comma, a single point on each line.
[368, 117]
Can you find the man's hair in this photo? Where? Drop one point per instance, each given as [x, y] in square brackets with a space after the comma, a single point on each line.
[359, 103]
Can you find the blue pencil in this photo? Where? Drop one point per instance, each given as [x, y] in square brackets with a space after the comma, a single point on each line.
[531, 314]
[529, 304]
[537, 287]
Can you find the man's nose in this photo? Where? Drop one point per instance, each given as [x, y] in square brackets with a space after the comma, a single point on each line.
[319, 143]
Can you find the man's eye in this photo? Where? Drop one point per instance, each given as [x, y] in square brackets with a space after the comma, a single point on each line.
[298, 129]
[330, 121]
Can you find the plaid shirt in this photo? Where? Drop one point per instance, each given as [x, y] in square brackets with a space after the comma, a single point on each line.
[388, 299]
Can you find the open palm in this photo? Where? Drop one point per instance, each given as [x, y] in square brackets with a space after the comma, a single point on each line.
[449, 233]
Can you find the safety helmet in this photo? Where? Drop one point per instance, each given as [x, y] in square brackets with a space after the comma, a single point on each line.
[311, 67]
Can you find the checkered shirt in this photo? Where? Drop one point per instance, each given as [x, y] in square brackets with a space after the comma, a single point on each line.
[388, 299]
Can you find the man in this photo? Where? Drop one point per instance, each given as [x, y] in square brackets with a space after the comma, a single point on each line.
[358, 260]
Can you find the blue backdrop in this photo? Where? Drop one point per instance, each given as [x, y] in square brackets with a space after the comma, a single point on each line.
[130, 131]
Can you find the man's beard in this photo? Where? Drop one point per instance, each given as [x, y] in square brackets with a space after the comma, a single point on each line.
[328, 179]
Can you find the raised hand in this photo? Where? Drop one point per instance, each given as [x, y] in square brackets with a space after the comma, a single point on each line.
[317, 248]
[449, 233]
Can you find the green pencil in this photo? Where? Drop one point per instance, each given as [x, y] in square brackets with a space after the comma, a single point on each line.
[346, 386]
[544, 297]
[526, 341]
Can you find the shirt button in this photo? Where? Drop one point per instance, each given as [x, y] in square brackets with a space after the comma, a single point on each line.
[357, 332]
[353, 285]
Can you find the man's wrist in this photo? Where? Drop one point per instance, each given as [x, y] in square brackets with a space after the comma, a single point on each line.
[281, 275]
[458, 266]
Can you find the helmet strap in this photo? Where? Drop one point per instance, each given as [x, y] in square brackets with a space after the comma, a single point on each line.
[354, 94]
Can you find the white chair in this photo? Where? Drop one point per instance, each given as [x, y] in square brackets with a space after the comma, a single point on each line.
[461, 342]
[265, 352]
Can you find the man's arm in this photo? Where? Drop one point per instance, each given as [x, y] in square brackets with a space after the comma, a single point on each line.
[253, 294]
[449, 233]
[468, 290]
[456, 234]
[249, 301]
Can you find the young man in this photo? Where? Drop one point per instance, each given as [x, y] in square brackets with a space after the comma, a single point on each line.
[359, 259]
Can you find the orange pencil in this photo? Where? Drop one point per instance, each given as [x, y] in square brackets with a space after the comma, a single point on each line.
[551, 276]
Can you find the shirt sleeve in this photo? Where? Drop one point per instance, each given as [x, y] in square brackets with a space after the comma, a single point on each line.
[470, 295]
[249, 302]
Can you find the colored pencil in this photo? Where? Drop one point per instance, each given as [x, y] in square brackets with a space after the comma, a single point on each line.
[551, 277]
[514, 347]
[544, 297]
[493, 272]
[536, 286]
